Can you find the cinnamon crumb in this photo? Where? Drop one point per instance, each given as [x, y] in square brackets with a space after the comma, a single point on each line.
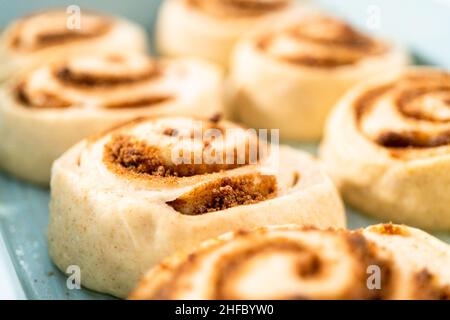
[170, 132]
[390, 229]
[295, 178]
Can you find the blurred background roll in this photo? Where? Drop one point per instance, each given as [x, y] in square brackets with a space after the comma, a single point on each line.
[53, 33]
[289, 75]
[210, 28]
[387, 146]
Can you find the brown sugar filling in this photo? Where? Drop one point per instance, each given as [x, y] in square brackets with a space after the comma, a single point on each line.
[134, 156]
[125, 154]
[413, 139]
[225, 193]
[72, 77]
[142, 102]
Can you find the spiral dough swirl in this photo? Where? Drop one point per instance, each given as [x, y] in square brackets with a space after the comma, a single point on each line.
[109, 81]
[417, 106]
[291, 263]
[320, 42]
[46, 29]
[238, 8]
[145, 153]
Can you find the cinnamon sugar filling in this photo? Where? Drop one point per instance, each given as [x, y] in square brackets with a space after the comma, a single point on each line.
[226, 193]
[125, 154]
[74, 78]
[412, 139]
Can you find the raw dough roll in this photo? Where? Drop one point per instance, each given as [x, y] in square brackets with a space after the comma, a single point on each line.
[289, 262]
[209, 28]
[123, 201]
[387, 145]
[54, 33]
[45, 111]
[289, 75]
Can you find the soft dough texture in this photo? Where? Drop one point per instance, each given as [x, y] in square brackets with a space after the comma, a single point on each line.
[121, 202]
[387, 146]
[208, 29]
[289, 262]
[42, 36]
[290, 74]
[45, 111]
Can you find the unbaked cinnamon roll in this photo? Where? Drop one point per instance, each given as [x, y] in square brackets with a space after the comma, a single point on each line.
[45, 111]
[125, 200]
[290, 262]
[209, 28]
[289, 75]
[387, 145]
[56, 33]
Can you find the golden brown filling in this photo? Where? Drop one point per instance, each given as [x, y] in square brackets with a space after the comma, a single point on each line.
[47, 29]
[320, 42]
[419, 98]
[232, 8]
[226, 193]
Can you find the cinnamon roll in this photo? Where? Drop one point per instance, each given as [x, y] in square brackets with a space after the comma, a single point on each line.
[46, 110]
[290, 262]
[387, 145]
[54, 33]
[125, 200]
[289, 75]
[209, 28]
